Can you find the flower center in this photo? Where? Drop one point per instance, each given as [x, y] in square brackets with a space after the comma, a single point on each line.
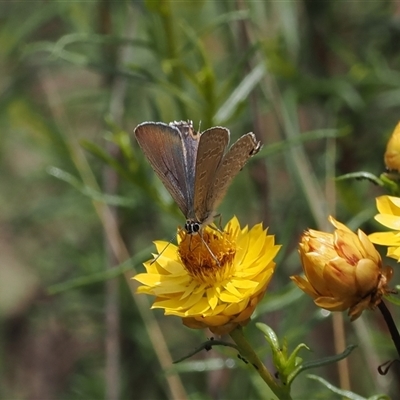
[207, 256]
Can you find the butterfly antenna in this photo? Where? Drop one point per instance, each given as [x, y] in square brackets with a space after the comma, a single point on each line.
[162, 251]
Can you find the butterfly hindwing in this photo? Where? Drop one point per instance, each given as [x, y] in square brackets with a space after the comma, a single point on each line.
[233, 161]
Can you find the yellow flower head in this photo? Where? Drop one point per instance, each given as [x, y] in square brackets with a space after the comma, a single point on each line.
[342, 270]
[389, 216]
[392, 154]
[212, 280]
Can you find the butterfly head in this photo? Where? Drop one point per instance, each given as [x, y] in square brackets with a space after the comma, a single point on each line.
[192, 227]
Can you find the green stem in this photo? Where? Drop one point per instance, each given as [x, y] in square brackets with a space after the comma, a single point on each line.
[250, 355]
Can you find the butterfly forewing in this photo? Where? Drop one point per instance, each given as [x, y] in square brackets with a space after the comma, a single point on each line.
[212, 146]
[162, 145]
[233, 161]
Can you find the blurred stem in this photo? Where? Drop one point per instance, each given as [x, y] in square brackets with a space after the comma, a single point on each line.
[394, 333]
[91, 279]
[339, 334]
[250, 355]
[339, 338]
[110, 185]
[168, 23]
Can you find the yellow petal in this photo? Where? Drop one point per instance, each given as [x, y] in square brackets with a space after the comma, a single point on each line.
[227, 297]
[388, 220]
[170, 286]
[167, 249]
[314, 273]
[339, 225]
[236, 308]
[244, 284]
[369, 249]
[166, 303]
[145, 290]
[148, 279]
[388, 205]
[385, 238]
[367, 274]
[212, 298]
[232, 289]
[340, 278]
[348, 246]
[394, 252]
[392, 153]
[200, 307]
[189, 289]
[304, 285]
[331, 304]
[190, 301]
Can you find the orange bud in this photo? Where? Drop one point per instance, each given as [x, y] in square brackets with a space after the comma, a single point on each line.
[342, 270]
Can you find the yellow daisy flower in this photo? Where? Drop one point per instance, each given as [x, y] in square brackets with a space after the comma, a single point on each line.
[212, 280]
[342, 270]
[389, 216]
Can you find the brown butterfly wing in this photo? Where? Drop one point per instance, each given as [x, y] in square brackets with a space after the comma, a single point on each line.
[212, 146]
[233, 161]
[163, 146]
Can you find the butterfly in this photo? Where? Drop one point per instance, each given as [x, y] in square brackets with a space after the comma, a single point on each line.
[196, 168]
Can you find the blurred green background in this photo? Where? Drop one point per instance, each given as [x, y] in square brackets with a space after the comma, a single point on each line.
[318, 82]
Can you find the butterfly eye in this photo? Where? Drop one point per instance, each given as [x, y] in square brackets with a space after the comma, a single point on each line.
[196, 227]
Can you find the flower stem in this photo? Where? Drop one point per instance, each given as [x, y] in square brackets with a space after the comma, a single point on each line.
[391, 325]
[247, 352]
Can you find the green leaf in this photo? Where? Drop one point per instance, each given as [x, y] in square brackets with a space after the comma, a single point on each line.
[323, 361]
[240, 94]
[346, 393]
[361, 175]
[392, 299]
[269, 334]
